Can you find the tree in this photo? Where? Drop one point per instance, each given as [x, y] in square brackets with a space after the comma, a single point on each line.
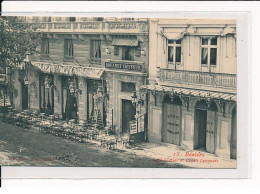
[17, 40]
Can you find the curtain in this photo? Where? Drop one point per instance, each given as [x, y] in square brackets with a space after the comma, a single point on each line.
[204, 56]
[68, 48]
[97, 49]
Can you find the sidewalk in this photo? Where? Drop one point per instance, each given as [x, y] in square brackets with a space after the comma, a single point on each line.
[175, 154]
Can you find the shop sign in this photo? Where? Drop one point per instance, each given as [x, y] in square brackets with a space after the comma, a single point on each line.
[133, 127]
[131, 67]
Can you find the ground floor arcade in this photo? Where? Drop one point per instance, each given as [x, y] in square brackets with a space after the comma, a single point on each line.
[104, 98]
[194, 120]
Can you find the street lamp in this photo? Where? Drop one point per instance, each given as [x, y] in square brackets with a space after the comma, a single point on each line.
[136, 102]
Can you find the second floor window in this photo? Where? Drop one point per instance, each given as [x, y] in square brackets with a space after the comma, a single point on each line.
[174, 51]
[45, 46]
[209, 51]
[128, 53]
[96, 49]
[68, 48]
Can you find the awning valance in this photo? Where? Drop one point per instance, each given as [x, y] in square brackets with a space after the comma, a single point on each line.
[173, 36]
[124, 42]
[93, 73]
[192, 92]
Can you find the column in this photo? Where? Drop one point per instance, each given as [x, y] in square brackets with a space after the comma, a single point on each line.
[82, 95]
[155, 119]
[58, 96]
[188, 129]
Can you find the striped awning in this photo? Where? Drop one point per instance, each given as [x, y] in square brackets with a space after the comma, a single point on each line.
[125, 42]
[89, 72]
[192, 92]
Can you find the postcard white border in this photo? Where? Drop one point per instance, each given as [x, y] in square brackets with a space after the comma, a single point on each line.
[155, 9]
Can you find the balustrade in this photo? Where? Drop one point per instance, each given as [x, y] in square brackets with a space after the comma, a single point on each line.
[195, 77]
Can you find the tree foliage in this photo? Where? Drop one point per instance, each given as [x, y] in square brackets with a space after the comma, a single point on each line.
[17, 40]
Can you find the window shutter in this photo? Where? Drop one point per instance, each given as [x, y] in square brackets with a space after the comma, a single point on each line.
[138, 51]
[116, 50]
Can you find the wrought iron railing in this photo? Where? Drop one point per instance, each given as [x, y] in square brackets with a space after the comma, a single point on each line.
[195, 77]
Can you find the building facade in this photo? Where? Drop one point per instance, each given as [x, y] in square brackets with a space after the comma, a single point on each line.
[192, 84]
[173, 79]
[86, 69]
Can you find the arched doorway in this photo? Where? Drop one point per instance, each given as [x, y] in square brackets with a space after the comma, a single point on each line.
[205, 125]
[233, 143]
[171, 132]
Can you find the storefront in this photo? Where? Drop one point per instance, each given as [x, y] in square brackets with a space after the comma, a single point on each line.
[69, 97]
[195, 120]
[171, 132]
[205, 125]
[46, 93]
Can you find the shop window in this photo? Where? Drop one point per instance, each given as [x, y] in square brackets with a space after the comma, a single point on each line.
[96, 50]
[209, 51]
[127, 87]
[45, 46]
[128, 53]
[174, 51]
[68, 49]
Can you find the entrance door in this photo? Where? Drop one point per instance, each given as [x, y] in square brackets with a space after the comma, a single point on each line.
[172, 123]
[211, 128]
[24, 96]
[128, 114]
[202, 125]
[233, 145]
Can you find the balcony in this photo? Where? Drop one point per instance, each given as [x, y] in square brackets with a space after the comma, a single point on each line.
[220, 80]
[93, 27]
[125, 65]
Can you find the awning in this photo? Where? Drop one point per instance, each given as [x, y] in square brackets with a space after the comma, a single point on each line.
[192, 92]
[89, 72]
[124, 42]
[173, 36]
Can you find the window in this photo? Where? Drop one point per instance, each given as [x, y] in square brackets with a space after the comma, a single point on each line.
[96, 49]
[209, 51]
[45, 46]
[174, 51]
[68, 48]
[72, 19]
[46, 19]
[127, 87]
[128, 53]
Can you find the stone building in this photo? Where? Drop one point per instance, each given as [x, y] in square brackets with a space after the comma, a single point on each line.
[87, 69]
[192, 84]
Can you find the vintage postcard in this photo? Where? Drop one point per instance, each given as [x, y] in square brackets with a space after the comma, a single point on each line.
[118, 92]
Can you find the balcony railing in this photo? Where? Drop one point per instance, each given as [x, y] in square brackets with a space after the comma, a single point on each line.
[202, 78]
[125, 65]
[93, 26]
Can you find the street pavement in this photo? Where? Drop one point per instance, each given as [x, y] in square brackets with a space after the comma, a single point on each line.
[29, 147]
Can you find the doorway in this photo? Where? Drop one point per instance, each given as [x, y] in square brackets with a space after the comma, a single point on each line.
[128, 114]
[171, 131]
[201, 119]
[24, 96]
